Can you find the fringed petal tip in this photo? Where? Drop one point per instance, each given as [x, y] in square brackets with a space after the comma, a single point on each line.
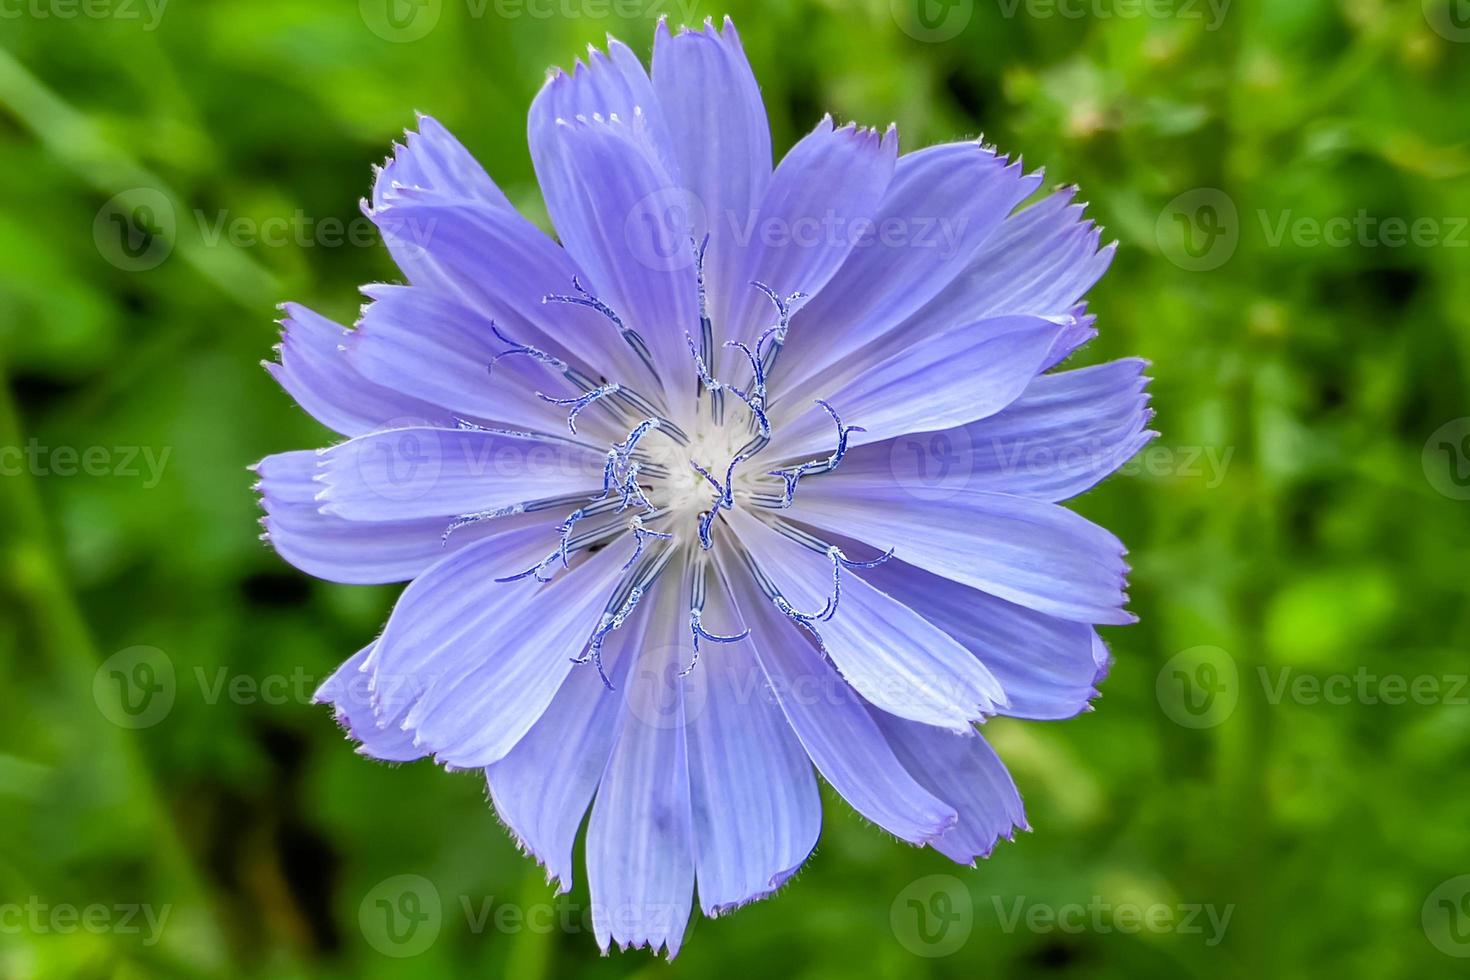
[949, 822]
[1102, 657]
[707, 28]
[360, 745]
[777, 881]
[560, 879]
[972, 860]
[658, 945]
[886, 139]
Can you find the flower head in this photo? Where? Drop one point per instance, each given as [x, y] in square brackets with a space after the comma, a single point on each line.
[754, 475]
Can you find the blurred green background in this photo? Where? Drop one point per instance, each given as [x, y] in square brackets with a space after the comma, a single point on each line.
[1301, 525]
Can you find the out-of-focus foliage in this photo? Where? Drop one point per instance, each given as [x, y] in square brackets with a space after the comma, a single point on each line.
[1300, 512]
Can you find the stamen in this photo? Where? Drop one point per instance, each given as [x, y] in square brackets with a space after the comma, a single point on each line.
[535, 353]
[758, 387]
[641, 406]
[566, 532]
[700, 633]
[719, 488]
[700, 366]
[536, 570]
[873, 563]
[606, 531]
[755, 401]
[836, 556]
[466, 520]
[465, 425]
[630, 336]
[699, 251]
[778, 598]
[766, 500]
[610, 621]
[624, 600]
[641, 535]
[584, 298]
[793, 474]
[723, 498]
[609, 471]
[775, 334]
[631, 489]
[757, 411]
[791, 477]
[706, 520]
[625, 448]
[706, 335]
[579, 402]
[542, 569]
[745, 454]
[623, 395]
[842, 434]
[783, 308]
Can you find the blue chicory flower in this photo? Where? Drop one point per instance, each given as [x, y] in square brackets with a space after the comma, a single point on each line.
[755, 473]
